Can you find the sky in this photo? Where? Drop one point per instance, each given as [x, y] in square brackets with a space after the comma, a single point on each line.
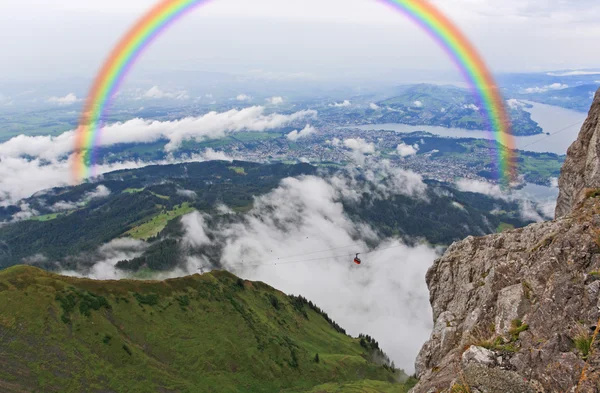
[61, 39]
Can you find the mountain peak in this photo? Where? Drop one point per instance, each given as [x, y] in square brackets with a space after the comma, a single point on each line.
[581, 170]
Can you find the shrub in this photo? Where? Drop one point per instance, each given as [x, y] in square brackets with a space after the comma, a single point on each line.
[317, 358]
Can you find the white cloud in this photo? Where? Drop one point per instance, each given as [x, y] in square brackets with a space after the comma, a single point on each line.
[156, 93]
[108, 256]
[481, 187]
[212, 125]
[471, 106]
[346, 103]
[98, 193]
[418, 104]
[295, 135]
[374, 106]
[275, 100]
[532, 207]
[514, 104]
[543, 89]
[243, 97]
[574, 73]
[405, 150]
[210, 154]
[187, 193]
[443, 110]
[305, 214]
[26, 212]
[360, 145]
[69, 99]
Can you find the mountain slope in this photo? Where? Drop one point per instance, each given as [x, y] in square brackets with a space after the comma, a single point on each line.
[209, 333]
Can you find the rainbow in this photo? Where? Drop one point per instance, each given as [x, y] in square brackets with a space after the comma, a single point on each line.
[167, 12]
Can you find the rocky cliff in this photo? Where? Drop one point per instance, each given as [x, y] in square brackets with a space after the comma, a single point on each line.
[581, 169]
[520, 311]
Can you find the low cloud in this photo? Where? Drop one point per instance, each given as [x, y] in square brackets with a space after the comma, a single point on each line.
[295, 135]
[374, 106]
[69, 99]
[212, 155]
[543, 89]
[346, 103]
[100, 192]
[514, 104]
[213, 125]
[156, 93]
[405, 150]
[574, 73]
[187, 193]
[243, 97]
[418, 104]
[275, 100]
[26, 212]
[534, 207]
[106, 258]
[473, 107]
[360, 145]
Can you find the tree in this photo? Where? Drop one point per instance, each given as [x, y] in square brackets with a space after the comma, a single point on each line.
[317, 358]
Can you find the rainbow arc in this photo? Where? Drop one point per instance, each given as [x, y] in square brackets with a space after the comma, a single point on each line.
[167, 12]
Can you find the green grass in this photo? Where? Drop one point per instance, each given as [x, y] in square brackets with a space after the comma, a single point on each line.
[157, 223]
[238, 170]
[132, 190]
[194, 334]
[365, 386]
[47, 217]
[504, 227]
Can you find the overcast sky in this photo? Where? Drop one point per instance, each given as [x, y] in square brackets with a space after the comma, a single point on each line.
[49, 39]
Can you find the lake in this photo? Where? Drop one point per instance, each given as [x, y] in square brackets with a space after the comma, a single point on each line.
[551, 118]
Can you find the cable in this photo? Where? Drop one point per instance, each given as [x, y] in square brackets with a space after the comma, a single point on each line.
[316, 259]
[548, 136]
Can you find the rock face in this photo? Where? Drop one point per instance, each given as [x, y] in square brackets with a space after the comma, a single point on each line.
[582, 166]
[520, 311]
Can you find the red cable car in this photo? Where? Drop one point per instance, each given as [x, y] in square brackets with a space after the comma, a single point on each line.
[357, 259]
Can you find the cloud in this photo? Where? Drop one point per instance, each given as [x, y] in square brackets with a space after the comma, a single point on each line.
[374, 106]
[418, 104]
[212, 155]
[346, 103]
[69, 99]
[574, 73]
[212, 125]
[243, 97]
[295, 135]
[275, 100]
[471, 106]
[103, 264]
[360, 145]
[405, 150]
[531, 206]
[156, 93]
[100, 192]
[187, 193]
[26, 212]
[514, 104]
[481, 187]
[543, 89]
[270, 245]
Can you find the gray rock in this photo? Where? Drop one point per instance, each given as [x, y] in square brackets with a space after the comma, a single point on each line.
[581, 170]
[479, 355]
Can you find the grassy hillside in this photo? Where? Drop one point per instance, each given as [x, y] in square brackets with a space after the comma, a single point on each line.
[209, 333]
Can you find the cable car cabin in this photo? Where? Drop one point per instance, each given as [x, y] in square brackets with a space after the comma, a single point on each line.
[357, 260]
